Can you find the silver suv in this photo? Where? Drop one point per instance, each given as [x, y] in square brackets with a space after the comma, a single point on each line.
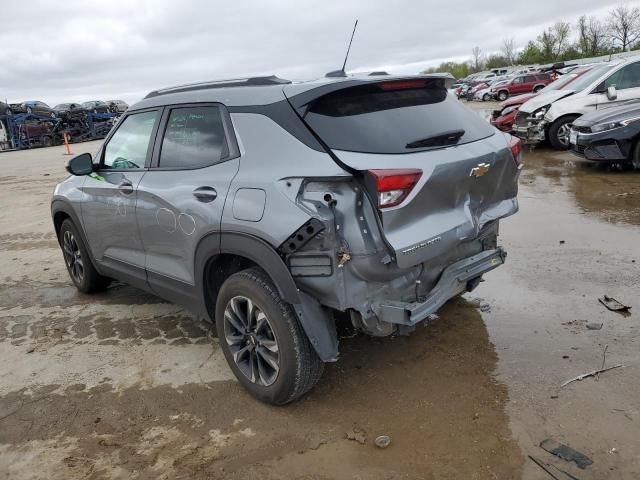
[277, 209]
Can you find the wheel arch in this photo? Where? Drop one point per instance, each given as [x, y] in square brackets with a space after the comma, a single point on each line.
[62, 210]
[220, 254]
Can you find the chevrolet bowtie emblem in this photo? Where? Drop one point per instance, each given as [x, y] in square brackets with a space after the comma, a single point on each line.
[480, 170]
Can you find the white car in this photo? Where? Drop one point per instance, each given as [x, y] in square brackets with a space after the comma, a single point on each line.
[550, 116]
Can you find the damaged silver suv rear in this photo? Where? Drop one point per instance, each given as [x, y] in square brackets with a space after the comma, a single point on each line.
[273, 208]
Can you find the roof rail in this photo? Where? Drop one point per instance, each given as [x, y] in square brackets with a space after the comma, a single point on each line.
[237, 82]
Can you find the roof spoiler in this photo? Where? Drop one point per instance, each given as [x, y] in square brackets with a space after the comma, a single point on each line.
[236, 82]
[300, 100]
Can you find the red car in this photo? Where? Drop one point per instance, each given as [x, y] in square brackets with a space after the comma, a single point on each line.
[531, 82]
[505, 116]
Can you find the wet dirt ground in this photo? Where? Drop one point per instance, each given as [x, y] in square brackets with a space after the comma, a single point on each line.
[123, 385]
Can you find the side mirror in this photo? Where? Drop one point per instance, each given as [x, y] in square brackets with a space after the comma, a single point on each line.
[612, 93]
[80, 165]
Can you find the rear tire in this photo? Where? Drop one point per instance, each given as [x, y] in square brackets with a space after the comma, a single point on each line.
[263, 341]
[76, 258]
[537, 89]
[635, 155]
[503, 95]
[559, 132]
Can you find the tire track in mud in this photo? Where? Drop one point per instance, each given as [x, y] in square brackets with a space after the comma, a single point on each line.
[149, 324]
[434, 393]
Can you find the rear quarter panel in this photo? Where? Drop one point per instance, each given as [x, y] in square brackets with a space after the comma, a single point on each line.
[276, 162]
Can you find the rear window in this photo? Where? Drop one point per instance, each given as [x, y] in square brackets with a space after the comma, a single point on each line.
[381, 118]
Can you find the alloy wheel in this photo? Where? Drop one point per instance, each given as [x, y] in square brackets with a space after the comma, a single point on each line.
[563, 134]
[252, 341]
[73, 256]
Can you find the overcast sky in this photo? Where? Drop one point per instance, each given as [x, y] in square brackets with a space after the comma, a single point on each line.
[77, 50]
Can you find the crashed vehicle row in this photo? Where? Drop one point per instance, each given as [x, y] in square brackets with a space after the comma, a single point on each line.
[550, 116]
[502, 87]
[277, 209]
[37, 107]
[504, 117]
[35, 124]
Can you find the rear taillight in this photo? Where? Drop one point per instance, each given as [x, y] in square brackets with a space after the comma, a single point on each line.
[394, 185]
[516, 150]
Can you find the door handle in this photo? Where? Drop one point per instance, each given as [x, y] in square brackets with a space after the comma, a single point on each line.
[126, 187]
[205, 194]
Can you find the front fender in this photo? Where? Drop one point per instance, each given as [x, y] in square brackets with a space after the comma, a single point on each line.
[62, 207]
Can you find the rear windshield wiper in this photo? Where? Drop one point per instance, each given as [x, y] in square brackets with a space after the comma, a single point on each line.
[440, 140]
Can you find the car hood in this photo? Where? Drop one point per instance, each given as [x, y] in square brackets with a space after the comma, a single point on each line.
[615, 114]
[518, 100]
[545, 99]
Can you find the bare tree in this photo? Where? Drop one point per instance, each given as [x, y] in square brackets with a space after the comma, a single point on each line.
[624, 25]
[583, 35]
[599, 37]
[560, 32]
[509, 50]
[477, 58]
[547, 41]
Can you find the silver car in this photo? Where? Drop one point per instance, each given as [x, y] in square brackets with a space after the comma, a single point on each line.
[279, 209]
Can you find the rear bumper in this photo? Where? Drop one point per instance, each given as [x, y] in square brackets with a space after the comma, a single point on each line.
[453, 281]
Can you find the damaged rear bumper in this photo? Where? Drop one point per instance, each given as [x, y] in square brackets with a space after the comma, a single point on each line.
[453, 281]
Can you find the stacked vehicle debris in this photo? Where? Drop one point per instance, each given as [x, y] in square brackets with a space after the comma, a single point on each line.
[35, 124]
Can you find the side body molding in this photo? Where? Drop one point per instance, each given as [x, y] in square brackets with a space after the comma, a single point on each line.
[316, 322]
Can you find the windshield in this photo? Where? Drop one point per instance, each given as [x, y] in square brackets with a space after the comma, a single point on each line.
[588, 78]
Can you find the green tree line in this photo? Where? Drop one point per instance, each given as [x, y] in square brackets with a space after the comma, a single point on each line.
[587, 37]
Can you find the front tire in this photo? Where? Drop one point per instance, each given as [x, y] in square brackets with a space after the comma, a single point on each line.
[559, 132]
[263, 341]
[486, 97]
[503, 95]
[76, 258]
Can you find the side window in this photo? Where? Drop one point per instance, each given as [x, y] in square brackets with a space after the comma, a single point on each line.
[129, 145]
[517, 80]
[194, 138]
[630, 76]
[544, 76]
[613, 80]
[529, 79]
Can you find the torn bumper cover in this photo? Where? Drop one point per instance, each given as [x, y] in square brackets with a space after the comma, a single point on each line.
[453, 281]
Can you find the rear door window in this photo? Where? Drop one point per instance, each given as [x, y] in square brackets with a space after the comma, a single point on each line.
[194, 138]
[394, 117]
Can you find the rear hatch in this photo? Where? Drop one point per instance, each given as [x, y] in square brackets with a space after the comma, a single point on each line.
[437, 171]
